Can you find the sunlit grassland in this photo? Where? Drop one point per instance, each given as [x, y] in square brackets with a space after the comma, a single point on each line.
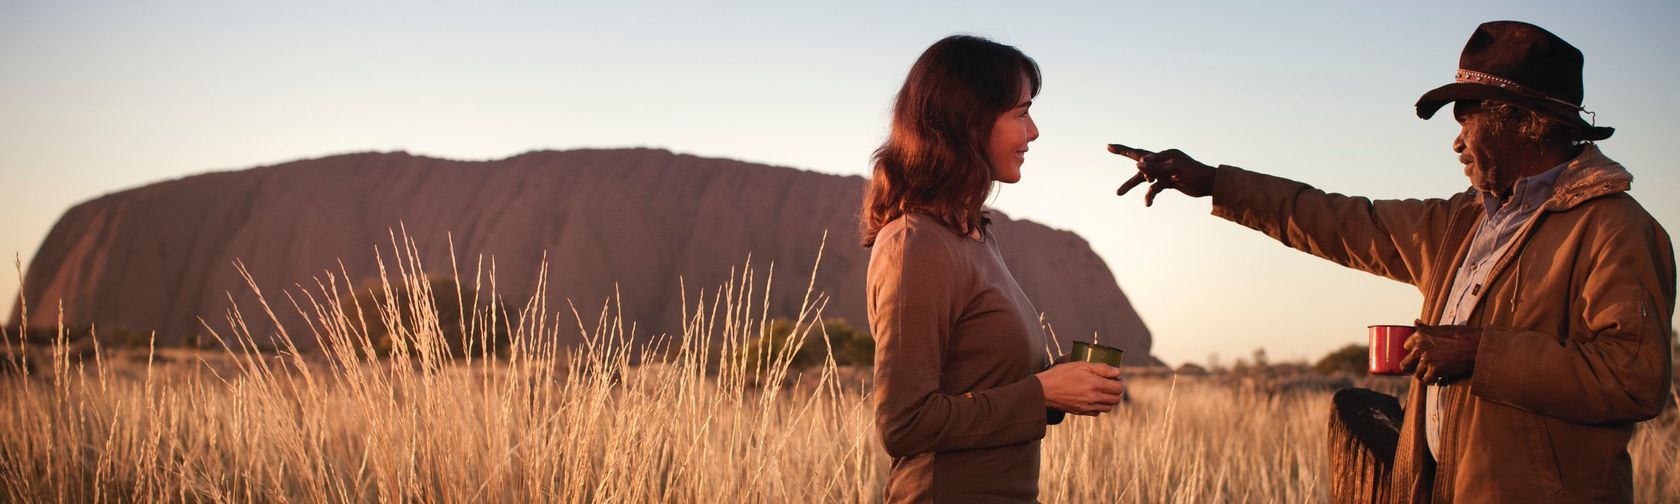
[622, 417]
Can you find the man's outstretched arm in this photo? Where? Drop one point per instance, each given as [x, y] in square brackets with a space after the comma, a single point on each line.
[1392, 238]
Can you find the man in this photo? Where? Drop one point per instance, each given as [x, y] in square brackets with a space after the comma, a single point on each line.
[1548, 291]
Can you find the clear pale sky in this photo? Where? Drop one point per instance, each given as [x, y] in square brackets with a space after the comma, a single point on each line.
[101, 97]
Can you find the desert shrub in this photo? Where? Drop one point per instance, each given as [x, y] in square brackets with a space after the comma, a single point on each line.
[378, 312]
[79, 337]
[1351, 359]
[1191, 369]
[851, 347]
[856, 348]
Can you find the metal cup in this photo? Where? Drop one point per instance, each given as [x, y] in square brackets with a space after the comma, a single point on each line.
[1387, 348]
[1092, 352]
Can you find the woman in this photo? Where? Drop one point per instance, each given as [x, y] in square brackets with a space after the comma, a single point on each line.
[961, 394]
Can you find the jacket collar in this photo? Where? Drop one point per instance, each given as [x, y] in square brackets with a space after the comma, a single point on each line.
[1589, 175]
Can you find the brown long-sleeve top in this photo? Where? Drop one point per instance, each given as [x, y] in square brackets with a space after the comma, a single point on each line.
[957, 347]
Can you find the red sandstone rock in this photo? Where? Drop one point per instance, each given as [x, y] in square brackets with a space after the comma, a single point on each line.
[160, 256]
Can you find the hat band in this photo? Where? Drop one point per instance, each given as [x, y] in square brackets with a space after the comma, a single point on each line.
[1474, 77]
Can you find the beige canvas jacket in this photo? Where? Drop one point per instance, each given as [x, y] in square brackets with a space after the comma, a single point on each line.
[1576, 342]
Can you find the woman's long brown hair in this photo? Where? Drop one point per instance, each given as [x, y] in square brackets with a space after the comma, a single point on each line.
[934, 161]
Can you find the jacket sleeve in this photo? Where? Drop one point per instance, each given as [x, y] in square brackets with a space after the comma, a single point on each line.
[1614, 364]
[913, 309]
[1392, 238]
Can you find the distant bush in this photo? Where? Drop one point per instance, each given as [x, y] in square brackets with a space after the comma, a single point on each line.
[445, 308]
[851, 347]
[1191, 369]
[1351, 359]
[857, 348]
[109, 336]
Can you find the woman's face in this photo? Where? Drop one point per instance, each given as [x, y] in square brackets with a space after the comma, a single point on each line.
[1010, 136]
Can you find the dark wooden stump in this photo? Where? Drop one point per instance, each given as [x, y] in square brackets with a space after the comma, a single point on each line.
[1364, 429]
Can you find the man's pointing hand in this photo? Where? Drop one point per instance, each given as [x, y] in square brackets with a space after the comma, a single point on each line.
[1169, 169]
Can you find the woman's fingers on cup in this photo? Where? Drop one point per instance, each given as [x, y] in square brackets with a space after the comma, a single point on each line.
[1104, 370]
[1110, 387]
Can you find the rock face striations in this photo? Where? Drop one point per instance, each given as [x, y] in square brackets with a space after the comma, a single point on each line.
[629, 221]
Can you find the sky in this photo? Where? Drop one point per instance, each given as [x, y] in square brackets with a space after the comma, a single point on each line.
[99, 97]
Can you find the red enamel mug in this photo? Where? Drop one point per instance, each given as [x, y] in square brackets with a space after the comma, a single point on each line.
[1388, 348]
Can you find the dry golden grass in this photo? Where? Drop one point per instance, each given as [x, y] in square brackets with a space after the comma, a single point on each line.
[620, 418]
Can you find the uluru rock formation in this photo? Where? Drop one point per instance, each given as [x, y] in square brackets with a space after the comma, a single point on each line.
[632, 221]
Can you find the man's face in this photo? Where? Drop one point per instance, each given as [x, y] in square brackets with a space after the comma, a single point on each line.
[1488, 146]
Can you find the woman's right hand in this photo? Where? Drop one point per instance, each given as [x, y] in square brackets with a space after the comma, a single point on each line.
[1082, 388]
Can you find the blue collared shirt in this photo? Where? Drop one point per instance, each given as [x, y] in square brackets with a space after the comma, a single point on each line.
[1505, 217]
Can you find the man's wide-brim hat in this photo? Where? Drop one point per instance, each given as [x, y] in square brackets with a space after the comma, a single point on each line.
[1521, 64]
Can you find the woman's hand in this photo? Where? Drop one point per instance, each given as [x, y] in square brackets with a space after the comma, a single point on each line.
[1082, 388]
